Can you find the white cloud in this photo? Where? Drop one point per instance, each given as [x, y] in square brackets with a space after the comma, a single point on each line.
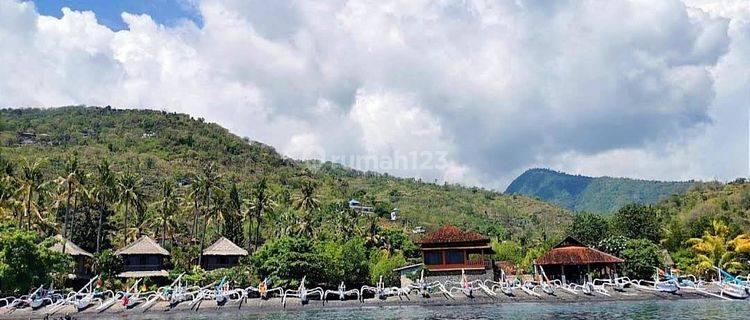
[635, 88]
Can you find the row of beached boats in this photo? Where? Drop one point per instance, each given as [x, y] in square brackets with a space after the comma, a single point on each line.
[50, 301]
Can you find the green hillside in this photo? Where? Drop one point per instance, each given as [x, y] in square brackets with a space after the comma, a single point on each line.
[582, 193]
[154, 145]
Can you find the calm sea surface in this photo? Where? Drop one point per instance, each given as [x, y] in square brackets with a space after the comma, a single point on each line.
[658, 309]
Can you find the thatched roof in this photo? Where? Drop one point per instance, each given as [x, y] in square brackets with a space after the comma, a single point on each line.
[70, 247]
[143, 274]
[224, 247]
[572, 252]
[450, 234]
[144, 245]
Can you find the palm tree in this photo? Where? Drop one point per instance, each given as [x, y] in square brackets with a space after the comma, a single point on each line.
[31, 184]
[7, 197]
[103, 193]
[206, 186]
[168, 205]
[715, 249]
[307, 203]
[69, 184]
[222, 213]
[129, 193]
[192, 200]
[260, 202]
[235, 208]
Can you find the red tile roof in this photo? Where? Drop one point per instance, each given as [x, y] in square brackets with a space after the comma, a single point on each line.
[571, 252]
[451, 234]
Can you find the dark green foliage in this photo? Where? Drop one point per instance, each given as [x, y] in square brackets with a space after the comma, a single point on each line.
[581, 193]
[25, 263]
[508, 251]
[345, 262]
[382, 265]
[589, 228]
[641, 259]
[107, 264]
[637, 221]
[288, 259]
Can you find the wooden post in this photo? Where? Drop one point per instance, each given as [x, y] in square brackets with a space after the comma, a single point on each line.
[562, 273]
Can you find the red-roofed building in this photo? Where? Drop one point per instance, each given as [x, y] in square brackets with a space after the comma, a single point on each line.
[572, 261]
[449, 250]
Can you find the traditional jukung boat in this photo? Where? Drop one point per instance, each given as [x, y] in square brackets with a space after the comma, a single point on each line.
[425, 289]
[341, 292]
[263, 291]
[302, 293]
[162, 294]
[468, 287]
[731, 286]
[380, 291]
[81, 299]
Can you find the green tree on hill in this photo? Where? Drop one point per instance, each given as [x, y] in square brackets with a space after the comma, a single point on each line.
[589, 228]
[642, 257]
[637, 221]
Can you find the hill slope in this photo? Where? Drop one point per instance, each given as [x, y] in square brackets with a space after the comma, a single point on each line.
[582, 193]
[157, 144]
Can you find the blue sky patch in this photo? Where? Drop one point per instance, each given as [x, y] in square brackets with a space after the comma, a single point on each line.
[167, 12]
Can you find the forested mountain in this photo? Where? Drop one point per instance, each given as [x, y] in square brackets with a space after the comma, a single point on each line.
[582, 193]
[156, 144]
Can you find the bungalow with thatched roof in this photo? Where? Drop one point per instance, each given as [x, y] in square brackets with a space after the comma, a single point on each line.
[79, 255]
[222, 254]
[572, 261]
[143, 258]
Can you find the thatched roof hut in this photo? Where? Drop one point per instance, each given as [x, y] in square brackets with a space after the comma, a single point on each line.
[143, 258]
[80, 257]
[69, 247]
[222, 254]
[143, 246]
[224, 247]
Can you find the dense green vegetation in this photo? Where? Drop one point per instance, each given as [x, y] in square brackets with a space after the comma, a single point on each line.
[25, 263]
[581, 193]
[706, 226]
[102, 177]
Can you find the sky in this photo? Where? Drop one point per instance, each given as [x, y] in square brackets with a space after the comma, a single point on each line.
[470, 92]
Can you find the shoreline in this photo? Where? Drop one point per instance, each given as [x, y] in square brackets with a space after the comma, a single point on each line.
[274, 305]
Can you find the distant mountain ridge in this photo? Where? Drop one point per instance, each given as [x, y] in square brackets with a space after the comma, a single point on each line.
[600, 194]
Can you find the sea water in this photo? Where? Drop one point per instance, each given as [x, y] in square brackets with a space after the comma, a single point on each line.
[602, 310]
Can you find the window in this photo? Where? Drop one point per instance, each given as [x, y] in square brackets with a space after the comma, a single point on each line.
[454, 257]
[433, 257]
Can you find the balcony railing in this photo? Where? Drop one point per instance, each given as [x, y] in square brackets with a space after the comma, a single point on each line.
[471, 264]
[142, 267]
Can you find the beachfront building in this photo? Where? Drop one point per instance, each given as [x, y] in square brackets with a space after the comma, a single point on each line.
[143, 258]
[80, 257]
[222, 254]
[573, 262]
[449, 250]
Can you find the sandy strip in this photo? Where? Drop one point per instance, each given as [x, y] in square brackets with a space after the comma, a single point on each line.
[256, 306]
